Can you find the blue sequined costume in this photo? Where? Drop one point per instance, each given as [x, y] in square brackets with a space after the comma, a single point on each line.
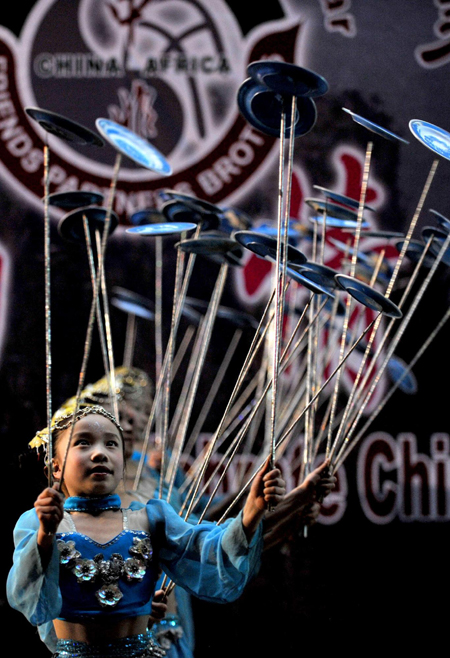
[212, 562]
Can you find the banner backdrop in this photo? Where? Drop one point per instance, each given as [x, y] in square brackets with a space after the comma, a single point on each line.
[374, 565]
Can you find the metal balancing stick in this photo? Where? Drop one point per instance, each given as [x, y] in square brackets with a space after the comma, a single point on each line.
[48, 330]
[99, 316]
[282, 240]
[403, 325]
[239, 439]
[359, 393]
[295, 422]
[356, 394]
[109, 343]
[91, 321]
[344, 454]
[362, 202]
[203, 344]
[165, 376]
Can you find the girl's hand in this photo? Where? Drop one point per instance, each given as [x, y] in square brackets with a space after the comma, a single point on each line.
[315, 487]
[268, 488]
[159, 607]
[50, 511]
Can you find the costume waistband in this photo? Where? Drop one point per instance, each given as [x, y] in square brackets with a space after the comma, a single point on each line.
[135, 646]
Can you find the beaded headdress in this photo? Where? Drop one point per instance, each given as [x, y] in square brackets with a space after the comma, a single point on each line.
[132, 385]
[65, 417]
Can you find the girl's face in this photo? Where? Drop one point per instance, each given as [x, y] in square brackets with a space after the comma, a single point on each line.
[94, 464]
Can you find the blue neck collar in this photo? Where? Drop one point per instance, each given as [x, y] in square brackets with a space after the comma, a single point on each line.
[92, 505]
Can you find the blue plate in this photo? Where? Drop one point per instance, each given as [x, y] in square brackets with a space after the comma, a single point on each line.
[335, 222]
[397, 369]
[331, 209]
[368, 296]
[433, 232]
[443, 221]
[71, 225]
[207, 245]
[341, 198]
[64, 128]
[432, 137]
[305, 280]
[132, 308]
[179, 211]
[437, 243]
[272, 231]
[414, 252]
[320, 274]
[266, 247]
[134, 147]
[199, 205]
[263, 108]
[73, 199]
[288, 79]
[170, 228]
[375, 128]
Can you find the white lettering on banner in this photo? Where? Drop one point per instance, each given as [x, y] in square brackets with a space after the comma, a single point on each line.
[437, 53]
[240, 154]
[337, 18]
[377, 456]
[18, 143]
[89, 65]
[396, 481]
[182, 64]
[76, 65]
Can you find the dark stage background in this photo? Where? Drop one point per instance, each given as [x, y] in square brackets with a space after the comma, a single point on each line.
[374, 571]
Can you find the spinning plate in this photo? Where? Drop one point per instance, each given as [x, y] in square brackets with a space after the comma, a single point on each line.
[433, 137]
[179, 211]
[414, 252]
[341, 198]
[64, 128]
[304, 279]
[368, 296]
[134, 147]
[75, 199]
[266, 247]
[263, 108]
[320, 274]
[443, 221]
[288, 79]
[208, 245]
[71, 226]
[332, 209]
[375, 128]
[191, 201]
[169, 228]
[335, 222]
[397, 370]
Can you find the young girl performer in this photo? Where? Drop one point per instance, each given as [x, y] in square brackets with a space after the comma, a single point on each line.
[85, 569]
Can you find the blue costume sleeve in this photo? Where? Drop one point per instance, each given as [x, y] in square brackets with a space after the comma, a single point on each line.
[31, 589]
[213, 562]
